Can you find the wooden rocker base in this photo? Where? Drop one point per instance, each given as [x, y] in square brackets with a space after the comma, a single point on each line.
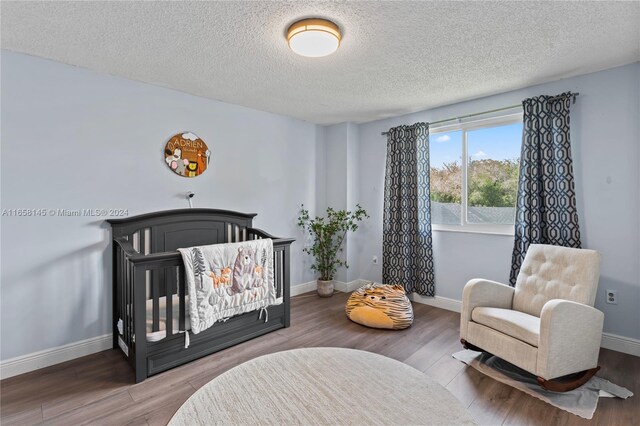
[561, 384]
[469, 346]
[568, 383]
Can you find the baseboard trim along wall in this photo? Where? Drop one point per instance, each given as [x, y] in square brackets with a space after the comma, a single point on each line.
[350, 286]
[438, 302]
[623, 344]
[35, 361]
[48, 357]
[302, 288]
[338, 285]
[627, 345]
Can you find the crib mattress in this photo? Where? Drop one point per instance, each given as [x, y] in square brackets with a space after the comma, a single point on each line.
[154, 336]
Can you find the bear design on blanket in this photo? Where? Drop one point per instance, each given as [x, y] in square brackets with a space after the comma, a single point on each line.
[246, 272]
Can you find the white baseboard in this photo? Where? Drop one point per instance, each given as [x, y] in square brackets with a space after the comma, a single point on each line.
[41, 359]
[627, 345]
[30, 362]
[438, 302]
[35, 361]
[302, 288]
[623, 344]
[339, 285]
[350, 286]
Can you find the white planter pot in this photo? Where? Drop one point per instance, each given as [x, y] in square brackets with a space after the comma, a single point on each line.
[325, 288]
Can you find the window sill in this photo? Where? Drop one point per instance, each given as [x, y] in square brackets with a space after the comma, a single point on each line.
[506, 231]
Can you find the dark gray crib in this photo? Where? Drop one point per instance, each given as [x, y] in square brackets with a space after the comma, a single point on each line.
[148, 273]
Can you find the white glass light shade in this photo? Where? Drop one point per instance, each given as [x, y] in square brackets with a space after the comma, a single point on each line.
[314, 37]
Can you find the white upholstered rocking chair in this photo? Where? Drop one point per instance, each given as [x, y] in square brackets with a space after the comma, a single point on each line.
[547, 324]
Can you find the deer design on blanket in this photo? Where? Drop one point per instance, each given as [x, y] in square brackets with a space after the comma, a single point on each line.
[217, 292]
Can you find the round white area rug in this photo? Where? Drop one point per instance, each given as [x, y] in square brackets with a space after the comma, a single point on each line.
[327, 386]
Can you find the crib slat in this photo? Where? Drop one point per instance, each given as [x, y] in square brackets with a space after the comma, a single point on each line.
[129, 307]
[155, 294]
[121, 302]
[142, 247]
[123, 293]
[168, 291]
[276, 271]
[119, 284]
[147, 240]
[129, 284]
[280, 269]
[147, 283]
[181, 297]
[278, 276]
[124, 274]
[286, 283]
[125, 300]
[140, 319]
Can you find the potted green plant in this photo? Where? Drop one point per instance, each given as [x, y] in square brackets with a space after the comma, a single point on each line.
[328, 235]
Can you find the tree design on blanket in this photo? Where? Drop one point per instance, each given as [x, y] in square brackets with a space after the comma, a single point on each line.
[200, 265]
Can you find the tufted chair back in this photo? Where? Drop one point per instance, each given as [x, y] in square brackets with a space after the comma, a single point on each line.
[554, 272]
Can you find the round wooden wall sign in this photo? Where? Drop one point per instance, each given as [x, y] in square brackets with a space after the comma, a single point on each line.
[187, 155]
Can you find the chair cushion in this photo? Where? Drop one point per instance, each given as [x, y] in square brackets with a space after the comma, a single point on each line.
[380, 306]
[516, 324]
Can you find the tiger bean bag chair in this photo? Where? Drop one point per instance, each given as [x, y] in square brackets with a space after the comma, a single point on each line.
[380, 306]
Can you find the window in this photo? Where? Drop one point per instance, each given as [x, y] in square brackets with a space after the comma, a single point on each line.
[474, 174]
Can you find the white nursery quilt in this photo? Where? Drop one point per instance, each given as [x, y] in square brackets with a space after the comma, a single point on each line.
[224, 280]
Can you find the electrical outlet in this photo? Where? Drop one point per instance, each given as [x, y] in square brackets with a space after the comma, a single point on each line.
[612, 297]
[375, 260]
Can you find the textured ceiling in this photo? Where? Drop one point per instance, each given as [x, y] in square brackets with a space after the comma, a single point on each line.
[395, 57]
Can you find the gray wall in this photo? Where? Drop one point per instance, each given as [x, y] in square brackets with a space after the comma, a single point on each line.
[77, 139]
[72, 138]
[340, 185]
[605, 139]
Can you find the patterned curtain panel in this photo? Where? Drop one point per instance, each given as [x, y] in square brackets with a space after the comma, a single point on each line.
[407, 248]
[546, 207]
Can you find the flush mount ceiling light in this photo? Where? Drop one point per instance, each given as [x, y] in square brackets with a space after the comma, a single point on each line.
[314, 37]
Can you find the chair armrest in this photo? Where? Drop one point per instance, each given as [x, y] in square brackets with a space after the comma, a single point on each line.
[570, 336]
[479, 292]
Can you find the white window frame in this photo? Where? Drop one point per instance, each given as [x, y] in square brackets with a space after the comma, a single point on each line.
[465, 226]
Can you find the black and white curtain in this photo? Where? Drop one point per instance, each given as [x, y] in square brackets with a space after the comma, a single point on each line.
[546, 205]
[407, 247]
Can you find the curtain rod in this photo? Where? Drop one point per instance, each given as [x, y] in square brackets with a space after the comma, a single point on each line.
[571, 95]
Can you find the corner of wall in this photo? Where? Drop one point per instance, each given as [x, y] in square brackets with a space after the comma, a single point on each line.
[321, 169]
[341, 185]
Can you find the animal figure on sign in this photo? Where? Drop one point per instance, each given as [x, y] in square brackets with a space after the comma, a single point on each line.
[175, 161]
[192, 169]
[380, 306]
[202, 162]
[246, 272]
